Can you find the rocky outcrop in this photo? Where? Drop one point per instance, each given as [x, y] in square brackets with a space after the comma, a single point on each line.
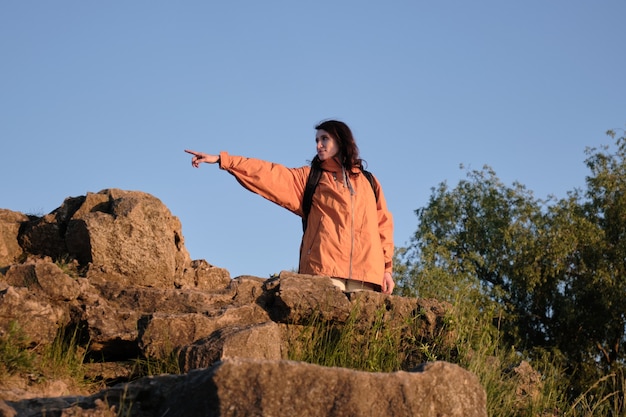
[112, 268]
[128, 237]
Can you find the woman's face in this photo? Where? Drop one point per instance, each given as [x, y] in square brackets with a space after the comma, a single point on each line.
[326, 145]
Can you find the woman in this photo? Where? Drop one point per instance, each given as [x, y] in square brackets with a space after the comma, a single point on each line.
[349, 231]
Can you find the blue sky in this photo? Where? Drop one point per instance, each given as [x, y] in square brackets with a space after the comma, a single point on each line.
[97, 95]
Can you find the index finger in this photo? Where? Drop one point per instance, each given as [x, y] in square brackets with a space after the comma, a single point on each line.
[192, 152]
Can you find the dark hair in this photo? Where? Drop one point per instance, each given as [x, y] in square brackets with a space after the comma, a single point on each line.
[348, 150]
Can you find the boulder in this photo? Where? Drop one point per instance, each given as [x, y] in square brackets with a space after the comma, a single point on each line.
[160, 334]
[126, 236]
[44, 277]
[45, 235]
[253, 387]
[34, 318]
[260, 341]
[302, 298]
[10, 223]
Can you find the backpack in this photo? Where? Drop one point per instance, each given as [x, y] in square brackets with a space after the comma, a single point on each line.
[311, 185]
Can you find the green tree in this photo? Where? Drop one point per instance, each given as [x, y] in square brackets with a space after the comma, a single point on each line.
[554, 269]
[481, 236]
[597, 283]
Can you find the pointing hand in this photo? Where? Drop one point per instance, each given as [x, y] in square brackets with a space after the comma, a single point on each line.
[199, 157]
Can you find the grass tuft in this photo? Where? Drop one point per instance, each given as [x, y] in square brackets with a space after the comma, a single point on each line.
[15, 354]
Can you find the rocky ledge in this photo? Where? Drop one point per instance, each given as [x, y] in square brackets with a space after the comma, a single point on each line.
[112, 268]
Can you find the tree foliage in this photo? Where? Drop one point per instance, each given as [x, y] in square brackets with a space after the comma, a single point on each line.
[555, 269]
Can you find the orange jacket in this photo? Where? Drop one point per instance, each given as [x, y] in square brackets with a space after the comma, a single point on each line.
[349, 234]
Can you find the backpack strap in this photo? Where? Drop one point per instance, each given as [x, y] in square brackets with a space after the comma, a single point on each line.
[370, 178]
[311, 185]
[307, 200]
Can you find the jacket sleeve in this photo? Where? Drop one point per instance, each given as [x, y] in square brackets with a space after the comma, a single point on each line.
[385, 227]
[274, 182]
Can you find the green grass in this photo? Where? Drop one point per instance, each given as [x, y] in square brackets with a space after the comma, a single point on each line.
[68, 265]
[361, 343]
[64, 357]
[15, 355]
[146, 366]
[469, 340]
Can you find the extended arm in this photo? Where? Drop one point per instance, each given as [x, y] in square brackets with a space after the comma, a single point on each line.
[277, 183]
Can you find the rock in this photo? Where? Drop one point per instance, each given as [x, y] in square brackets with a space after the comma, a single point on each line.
[261, 341]
[529, 384]
[202, 275]
[109, 373]
[249, 387]
[120, 321]
[249, 289]
[128, 236]
[302, 298]
[44, 277]
[35, 298]
[168, 300]
[10, 223]
[160, 334]
[125, 236]
[36, 319]
[111, 329]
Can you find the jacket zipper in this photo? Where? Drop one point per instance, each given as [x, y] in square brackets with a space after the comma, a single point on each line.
[347, 182]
